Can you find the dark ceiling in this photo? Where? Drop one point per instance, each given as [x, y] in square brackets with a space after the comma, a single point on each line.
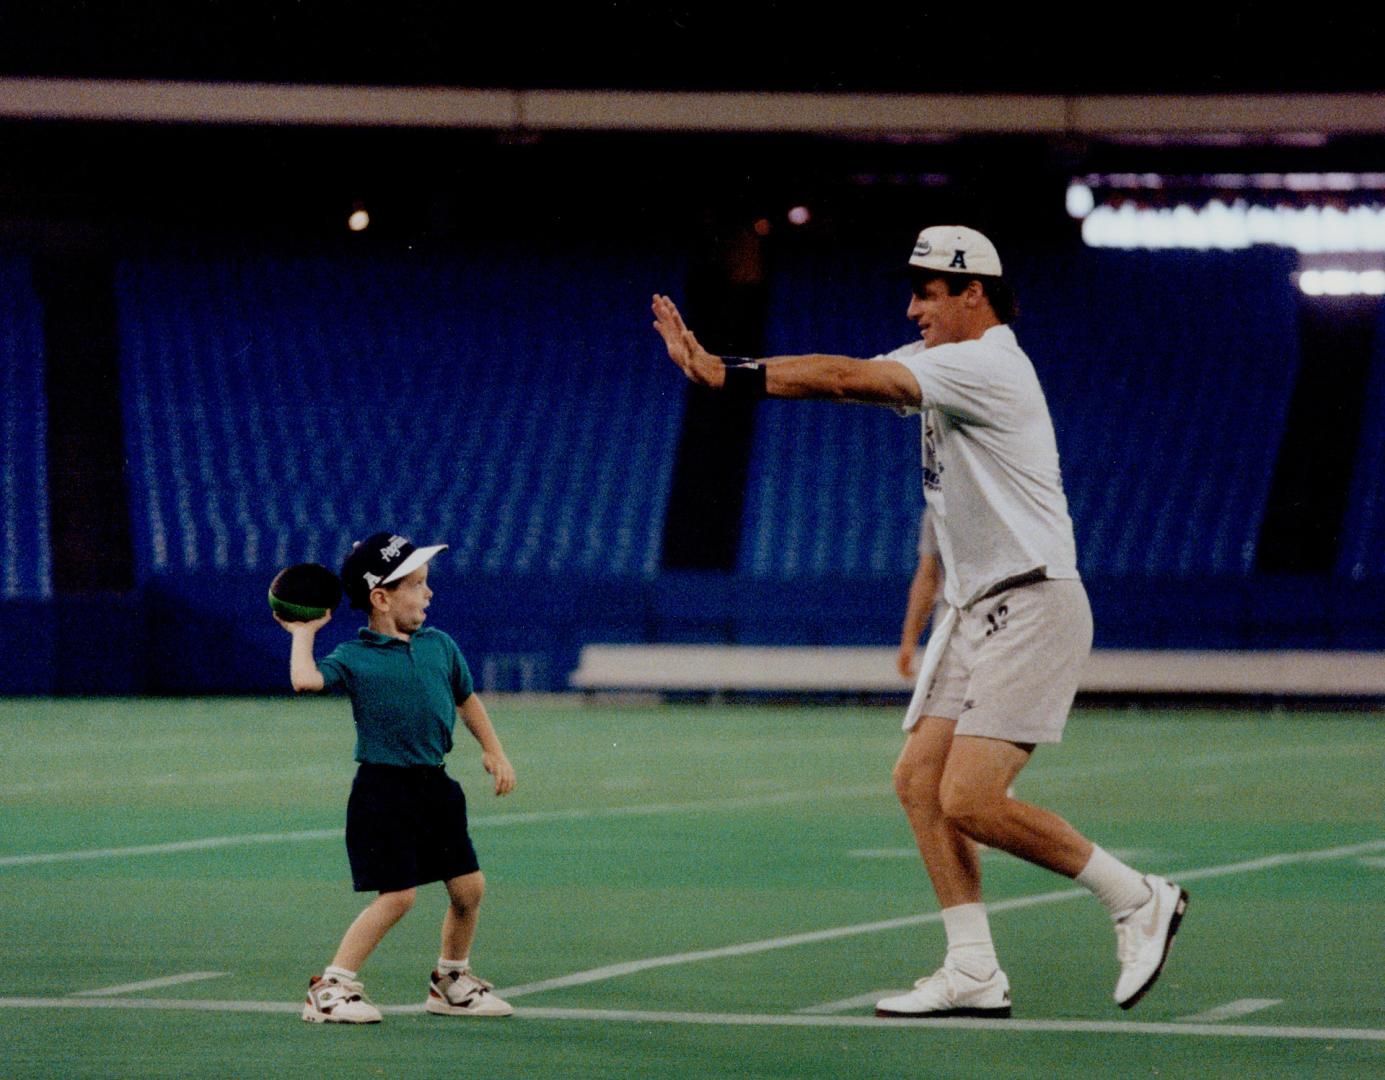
[438, 185]
[963, 47]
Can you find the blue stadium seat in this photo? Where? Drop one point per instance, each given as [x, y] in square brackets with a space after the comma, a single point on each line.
[1362, 552]
[26, 562]
[277, 408]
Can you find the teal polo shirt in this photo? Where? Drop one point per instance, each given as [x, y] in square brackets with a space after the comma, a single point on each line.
[404, 694]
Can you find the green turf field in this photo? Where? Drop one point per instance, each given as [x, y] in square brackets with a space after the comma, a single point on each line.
[678, 892]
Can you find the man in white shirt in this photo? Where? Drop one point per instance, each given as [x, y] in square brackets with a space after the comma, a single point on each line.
[1001, 668]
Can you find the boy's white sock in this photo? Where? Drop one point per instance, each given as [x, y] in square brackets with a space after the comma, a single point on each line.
[339, 972]
[1116, 885]
[969, 946]
[445, 965]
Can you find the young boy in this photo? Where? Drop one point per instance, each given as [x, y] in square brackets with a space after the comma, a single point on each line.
[406, 820]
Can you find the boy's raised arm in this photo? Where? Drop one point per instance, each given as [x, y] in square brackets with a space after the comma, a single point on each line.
[303, 672]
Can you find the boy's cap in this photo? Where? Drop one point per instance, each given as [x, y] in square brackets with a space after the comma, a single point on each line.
[955, 249]
[380, 559]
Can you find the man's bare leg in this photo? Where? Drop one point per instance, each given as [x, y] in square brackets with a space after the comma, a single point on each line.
[972, 794]
[1146, 908]
[970, 982]
[948, 853]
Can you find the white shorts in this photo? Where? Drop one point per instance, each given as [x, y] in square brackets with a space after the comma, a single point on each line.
[1008, 667]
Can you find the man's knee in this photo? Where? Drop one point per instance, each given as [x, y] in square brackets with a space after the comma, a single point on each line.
[915, 783]
[968, 808]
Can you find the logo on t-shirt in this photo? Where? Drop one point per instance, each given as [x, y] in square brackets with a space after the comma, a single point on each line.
[932, 467]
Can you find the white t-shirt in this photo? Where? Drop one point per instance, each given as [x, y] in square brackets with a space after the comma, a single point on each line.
[990, 464]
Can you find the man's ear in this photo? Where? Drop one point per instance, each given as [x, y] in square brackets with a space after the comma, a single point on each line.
[974, 293]
[385, 593]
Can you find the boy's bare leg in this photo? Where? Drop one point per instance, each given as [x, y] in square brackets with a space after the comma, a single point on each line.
[370, 926]
[974, 800]
[459, 923]
[455, 990]
[948, 853]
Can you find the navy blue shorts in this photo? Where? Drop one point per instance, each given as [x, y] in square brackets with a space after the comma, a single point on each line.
[406, 827]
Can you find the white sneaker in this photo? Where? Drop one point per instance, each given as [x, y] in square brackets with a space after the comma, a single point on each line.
[460, 993]
[333, 1000]
[949, 992]
[1144, 937]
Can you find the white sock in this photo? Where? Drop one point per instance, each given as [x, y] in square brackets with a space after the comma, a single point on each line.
[1116, 885]
[339, 972]
[445, 965]
[969, 946]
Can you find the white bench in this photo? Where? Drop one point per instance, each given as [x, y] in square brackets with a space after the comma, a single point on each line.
[809, 669]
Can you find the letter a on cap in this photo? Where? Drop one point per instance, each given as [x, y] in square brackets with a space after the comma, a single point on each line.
[954, 249]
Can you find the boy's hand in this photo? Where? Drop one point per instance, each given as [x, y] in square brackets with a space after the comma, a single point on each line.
[498, 765]
[302, 627]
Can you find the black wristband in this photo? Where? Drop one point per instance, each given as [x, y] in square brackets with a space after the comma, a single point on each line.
[745, 382]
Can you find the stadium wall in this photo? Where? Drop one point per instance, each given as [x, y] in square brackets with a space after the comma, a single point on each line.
[213, 634]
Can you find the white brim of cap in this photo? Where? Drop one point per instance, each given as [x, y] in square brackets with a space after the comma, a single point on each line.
[413, 562]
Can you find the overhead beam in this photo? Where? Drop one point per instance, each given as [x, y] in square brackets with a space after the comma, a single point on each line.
[1172, 116]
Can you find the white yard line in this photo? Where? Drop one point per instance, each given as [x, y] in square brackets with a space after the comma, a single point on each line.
[484, 821]
[631, 967]
[100, 782]
[817, 1018]
[172, 847]
[747, 802]
[151, 984]
[827, 1008]
[748, 948]
[1232, 1010]
[883, 853]
[1092, 1027]
[172, 1004]
[1287, 858]
[1374, 862]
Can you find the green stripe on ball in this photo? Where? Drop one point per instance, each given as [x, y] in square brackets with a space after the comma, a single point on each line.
[295, 612]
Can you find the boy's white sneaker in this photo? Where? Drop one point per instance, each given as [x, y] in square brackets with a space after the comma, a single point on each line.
[1144, 937]
[334, 1000]
[460, 993]
[949, 992]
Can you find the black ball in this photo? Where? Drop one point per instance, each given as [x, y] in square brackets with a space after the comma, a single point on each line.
[304, 592]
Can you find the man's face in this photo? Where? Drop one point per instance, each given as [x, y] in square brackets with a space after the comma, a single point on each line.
[409, 601]
[942, 318]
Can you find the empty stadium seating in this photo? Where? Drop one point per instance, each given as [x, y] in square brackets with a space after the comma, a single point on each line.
[277, 408]
[1362, 551]
[509, 404]
[25, 553]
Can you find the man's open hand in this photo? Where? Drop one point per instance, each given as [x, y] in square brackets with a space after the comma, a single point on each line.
[697, 363]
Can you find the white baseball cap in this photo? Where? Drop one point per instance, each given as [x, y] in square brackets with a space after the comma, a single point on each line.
[955, 249]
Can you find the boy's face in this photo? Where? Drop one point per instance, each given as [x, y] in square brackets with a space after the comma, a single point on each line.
[407, 603]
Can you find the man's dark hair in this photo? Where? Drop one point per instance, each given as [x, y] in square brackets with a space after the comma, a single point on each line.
[997, 290]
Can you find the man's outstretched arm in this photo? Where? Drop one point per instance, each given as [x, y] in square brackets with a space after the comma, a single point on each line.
[817, 375]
